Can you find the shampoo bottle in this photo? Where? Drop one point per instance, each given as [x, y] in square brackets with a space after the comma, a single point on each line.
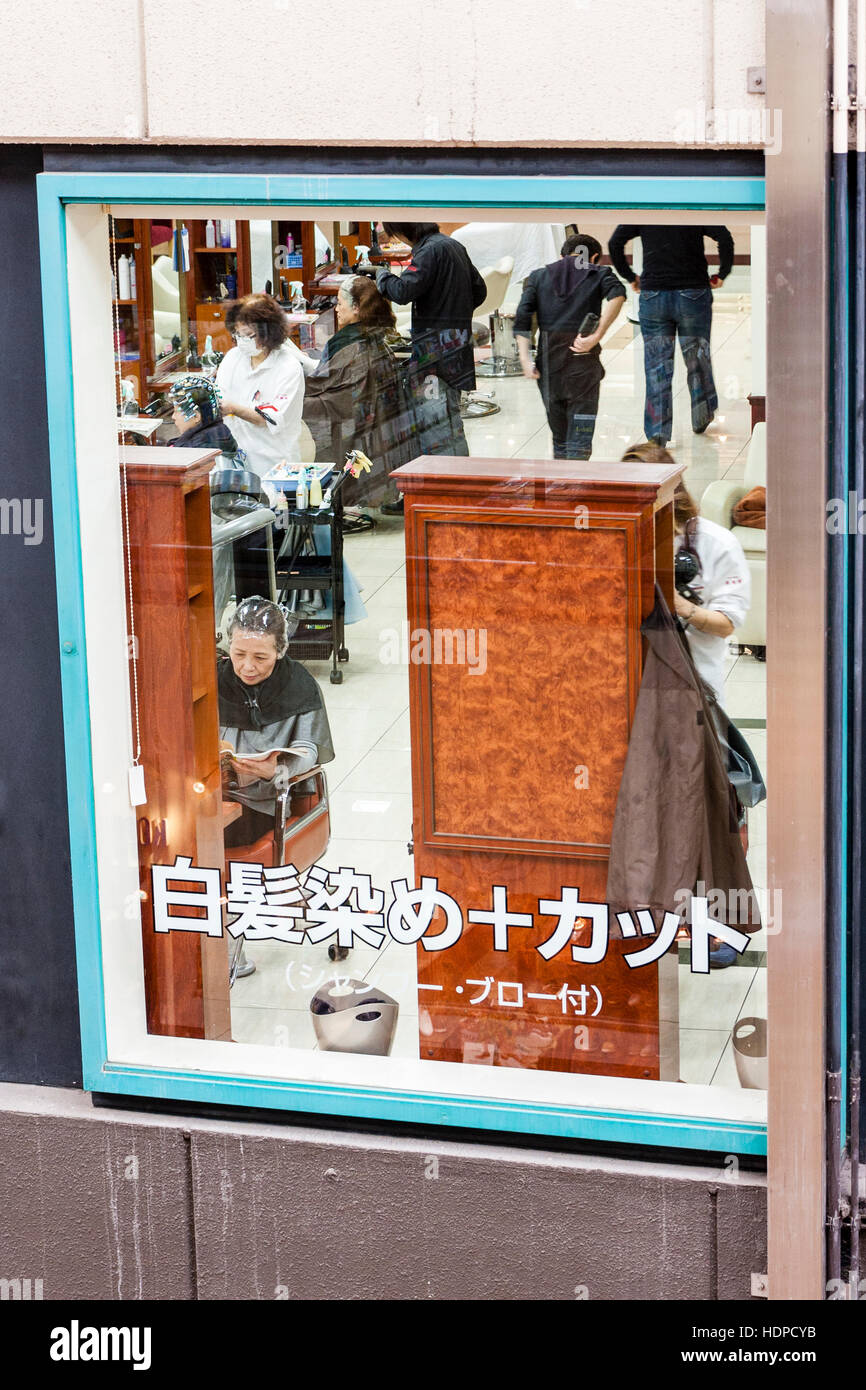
[210, 234]
[123, 278]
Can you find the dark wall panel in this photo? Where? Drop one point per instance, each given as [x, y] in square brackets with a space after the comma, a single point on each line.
[116, 1205]
[277, 159]
[39, 1038]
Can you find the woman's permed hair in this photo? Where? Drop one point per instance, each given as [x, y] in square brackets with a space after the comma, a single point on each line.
[262, 313]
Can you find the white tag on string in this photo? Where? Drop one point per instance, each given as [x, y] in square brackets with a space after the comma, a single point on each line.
[137, 794]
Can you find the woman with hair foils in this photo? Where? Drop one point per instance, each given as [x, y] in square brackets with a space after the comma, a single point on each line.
[197, 416]
[356, 399]
[721, 588]
[267, 702]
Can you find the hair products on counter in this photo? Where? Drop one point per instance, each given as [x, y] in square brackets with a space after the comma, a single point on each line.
[210, 234]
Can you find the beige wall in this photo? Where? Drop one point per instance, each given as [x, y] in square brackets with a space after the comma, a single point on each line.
[559, 72]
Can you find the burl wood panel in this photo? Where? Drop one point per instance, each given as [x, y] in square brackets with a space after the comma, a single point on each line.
[516, 771]
[186, 974]
[530, 744]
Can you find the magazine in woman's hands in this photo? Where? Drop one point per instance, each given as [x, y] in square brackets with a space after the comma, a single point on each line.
[229, 754]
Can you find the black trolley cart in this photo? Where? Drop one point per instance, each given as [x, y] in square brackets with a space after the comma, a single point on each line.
[300, 566]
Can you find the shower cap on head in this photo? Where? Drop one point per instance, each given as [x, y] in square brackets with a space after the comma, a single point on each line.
[259, 616]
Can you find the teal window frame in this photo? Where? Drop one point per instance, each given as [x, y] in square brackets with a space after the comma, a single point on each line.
[55, 191]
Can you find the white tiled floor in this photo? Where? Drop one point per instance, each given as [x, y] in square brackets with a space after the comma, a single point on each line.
[369, 780]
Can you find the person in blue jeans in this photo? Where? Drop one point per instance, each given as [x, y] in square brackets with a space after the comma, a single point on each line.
[676, 301]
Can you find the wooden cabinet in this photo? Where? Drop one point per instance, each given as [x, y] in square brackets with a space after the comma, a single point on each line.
[133, 314]
[531, 580]
[211, 319]
[171, 574]
[209, 267]
[303, 255]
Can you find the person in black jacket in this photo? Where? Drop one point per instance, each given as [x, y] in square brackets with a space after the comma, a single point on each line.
[568, 366]
[675, 301]
[444, 288]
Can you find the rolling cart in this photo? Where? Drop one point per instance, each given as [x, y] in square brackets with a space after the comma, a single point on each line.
[300, 566]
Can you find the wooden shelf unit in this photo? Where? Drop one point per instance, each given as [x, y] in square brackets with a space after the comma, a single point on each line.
[205, 310]
[134, 315]
[186, 973]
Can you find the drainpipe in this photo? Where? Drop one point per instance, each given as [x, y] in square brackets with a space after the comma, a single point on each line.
[836, 581]
[857, 906]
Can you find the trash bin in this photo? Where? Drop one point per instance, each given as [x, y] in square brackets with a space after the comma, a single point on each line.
[749, 1040]
[351, 1016]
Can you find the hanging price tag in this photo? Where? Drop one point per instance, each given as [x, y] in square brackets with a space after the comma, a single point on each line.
[137, 794]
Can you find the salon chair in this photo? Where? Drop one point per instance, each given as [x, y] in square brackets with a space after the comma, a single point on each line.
[301, 833]
[503, 360]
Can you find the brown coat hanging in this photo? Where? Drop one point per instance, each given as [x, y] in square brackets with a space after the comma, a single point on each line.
[675, 825]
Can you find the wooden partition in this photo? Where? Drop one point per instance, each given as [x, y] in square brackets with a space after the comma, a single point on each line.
[531, 580]
[171, 571]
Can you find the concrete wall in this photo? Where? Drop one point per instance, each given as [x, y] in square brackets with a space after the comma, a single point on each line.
[107, 1204]
[573, 72]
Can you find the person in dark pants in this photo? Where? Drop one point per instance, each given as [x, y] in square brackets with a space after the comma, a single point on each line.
[675, 301]
[444, 288]
[568, 366]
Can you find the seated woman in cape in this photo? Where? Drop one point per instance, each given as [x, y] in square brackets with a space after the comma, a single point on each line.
[198, 417]
[267, 702]
[356, 398]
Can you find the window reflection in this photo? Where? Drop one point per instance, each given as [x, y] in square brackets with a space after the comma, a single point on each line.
[464, 633]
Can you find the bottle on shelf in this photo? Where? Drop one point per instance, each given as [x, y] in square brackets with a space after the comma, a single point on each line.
[315, 492]
[123, 278]
[225, 232]
[290, 244]
[210, 233]
[301, 492]
[133, 283]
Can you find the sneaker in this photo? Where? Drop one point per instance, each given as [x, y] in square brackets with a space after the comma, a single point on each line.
[722, 956]
[392, 508]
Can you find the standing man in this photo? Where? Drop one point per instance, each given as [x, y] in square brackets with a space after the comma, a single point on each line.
[675, 301]
[444, 288]
[568, 366]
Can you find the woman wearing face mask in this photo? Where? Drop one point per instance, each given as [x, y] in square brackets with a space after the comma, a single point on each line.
[261, 381]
